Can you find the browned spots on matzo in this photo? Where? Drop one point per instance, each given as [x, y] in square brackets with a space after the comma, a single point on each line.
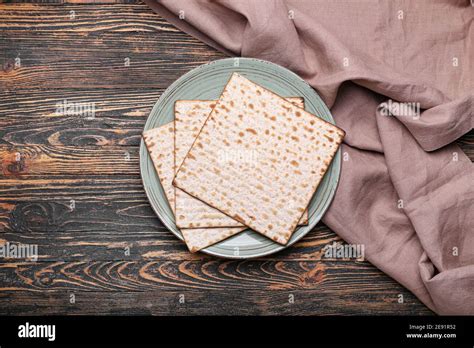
[329, 138]
[223, 107]
[251, 130]
[294, 163]
[295, 138]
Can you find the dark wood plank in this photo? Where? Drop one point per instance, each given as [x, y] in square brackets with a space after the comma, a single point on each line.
[466, 143]
[319, 287]
[209, 302]
[62, 189]
[35, 117]
[127, 275]
[45, 161]
[92, 49]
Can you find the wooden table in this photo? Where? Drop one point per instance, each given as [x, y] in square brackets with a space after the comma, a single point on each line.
[71, 184]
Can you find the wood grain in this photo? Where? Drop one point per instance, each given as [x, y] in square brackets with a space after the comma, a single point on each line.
[70, 184]
[210, 287]
[31, 117]
[92, 48]
[209, 302]
[39, 160]
[212, 274]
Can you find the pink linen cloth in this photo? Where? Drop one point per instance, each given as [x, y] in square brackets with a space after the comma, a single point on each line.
[406, 192]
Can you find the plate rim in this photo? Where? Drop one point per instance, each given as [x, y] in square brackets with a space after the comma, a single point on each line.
[335, 162]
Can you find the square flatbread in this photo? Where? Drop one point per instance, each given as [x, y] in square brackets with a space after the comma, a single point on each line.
[190, 116]
[160, 145]
[289, 150]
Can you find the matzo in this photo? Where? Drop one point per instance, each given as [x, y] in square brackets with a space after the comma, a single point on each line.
[160, 145]
[293, 151]
[190, 116]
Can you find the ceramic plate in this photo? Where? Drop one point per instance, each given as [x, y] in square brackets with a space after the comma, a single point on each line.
[207, 82]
